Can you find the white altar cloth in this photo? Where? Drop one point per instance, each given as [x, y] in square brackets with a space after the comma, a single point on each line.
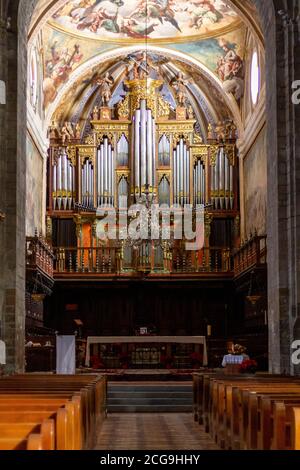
[145, 340]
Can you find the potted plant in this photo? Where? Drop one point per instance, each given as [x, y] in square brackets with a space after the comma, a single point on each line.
[196, 360]
[167, 362]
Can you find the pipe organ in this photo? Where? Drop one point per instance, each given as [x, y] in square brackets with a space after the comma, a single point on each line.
[147, 148]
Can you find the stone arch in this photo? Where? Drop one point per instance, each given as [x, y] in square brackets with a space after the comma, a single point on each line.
[280, 26]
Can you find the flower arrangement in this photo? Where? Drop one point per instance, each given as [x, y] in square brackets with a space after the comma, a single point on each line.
[124, 360]
[237, 350]
[196, 359]
[249, 366]
[96, 362]
[167, 362]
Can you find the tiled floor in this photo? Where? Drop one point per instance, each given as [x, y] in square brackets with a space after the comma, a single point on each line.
[147, 431]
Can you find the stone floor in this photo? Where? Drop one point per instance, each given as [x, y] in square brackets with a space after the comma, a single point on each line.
[149, 431]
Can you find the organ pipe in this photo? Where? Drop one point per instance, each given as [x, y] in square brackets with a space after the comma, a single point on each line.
[200, 183]
[63, 182]
[222, 182]
[144, 149]
[181, 173]
[143, 143]
[105, 173]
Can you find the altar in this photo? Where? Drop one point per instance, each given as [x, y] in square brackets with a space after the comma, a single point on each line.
[146, 351]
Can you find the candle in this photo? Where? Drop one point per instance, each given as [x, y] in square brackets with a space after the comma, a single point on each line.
[208, 330]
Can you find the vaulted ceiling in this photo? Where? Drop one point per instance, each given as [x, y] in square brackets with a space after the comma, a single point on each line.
[74, 41]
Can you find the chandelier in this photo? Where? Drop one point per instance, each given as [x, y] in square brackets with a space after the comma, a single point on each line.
[152, 235]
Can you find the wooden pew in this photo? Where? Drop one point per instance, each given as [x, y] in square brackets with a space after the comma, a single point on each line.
[296, 429]
[79, 403]
[236, 408]
[16, 436]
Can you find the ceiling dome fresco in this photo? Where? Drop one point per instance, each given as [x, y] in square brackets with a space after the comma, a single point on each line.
[154, 20]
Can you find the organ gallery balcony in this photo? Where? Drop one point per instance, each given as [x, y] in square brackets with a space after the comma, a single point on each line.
[153, 262]
[251, 254]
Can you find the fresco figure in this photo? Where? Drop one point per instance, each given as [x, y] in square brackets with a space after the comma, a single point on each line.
[58, 69]
[230, 70]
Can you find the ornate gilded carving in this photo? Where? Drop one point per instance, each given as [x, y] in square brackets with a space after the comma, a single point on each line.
[198, 139]
[163, 108]
[56, 151]
[144, 89]
[208, 218]
[123, 108]
[213, 153]
[123, 173]
[89, 140]
[86, 152]
[72, 153]
[182, 135]
[110, 129]
[230, 152]
[100, 137]
[200, 152]
[162, 174]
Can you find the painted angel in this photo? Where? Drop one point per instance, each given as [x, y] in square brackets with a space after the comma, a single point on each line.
[203, 12]
[134, 29]
[158, 10]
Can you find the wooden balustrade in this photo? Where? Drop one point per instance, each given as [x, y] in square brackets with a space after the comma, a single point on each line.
[106, 260]
[39, 255]
[252, 253]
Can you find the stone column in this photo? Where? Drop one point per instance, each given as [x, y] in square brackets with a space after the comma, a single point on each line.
[12, 202]
[283, 192]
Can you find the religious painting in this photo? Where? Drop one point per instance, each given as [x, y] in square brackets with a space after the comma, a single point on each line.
[61, 58]
[255, 186]
[145, 19]
[224, 56]
[34, 188]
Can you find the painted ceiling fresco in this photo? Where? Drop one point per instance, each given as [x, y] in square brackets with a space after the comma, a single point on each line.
[91, 34]
[64, 53]
[133, 20]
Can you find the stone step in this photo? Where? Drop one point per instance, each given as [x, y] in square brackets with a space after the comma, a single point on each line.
[154, 398]
[149, 394]
[149, 388]
[149, 401]
[149, 409]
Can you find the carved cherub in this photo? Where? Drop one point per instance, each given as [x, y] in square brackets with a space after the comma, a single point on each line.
[64, 133]
[69, 126]
[95, 113]
[179, 84]
[77, 131]
[106, 83]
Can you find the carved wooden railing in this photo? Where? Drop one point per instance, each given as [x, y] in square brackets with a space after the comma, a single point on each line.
[252, 253]
[39, 255]
[103, 260]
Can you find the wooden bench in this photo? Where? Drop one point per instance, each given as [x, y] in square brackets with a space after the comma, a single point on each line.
[75, 404]
[296, 429]
[246, 412]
